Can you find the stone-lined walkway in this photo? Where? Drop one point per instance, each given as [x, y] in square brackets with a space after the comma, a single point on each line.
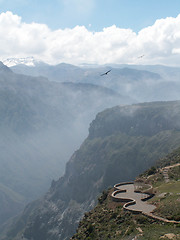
[136, 201]
[138, 205]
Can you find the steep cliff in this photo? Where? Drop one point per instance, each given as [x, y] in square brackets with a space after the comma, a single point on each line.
[123, 142]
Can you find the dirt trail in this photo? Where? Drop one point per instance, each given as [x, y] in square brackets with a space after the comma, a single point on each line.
[165, 171]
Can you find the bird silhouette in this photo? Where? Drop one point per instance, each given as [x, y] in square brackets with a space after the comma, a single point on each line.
[141, 56]
[105, 73]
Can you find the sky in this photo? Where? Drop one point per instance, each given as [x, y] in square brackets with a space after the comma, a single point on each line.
[91, 31]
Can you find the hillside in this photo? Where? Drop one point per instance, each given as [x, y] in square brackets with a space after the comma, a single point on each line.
[123, 142]
[108, 220]
[41, 124]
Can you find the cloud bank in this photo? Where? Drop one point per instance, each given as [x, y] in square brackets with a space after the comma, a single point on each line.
[159, 43]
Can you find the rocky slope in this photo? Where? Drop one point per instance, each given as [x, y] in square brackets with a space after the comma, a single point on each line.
[122, 143]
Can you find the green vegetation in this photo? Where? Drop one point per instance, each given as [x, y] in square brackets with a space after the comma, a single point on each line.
[151, 171]
[174, 173]
[122, 157]
[157, 231]
[108, 220]
[167, 198]
[170, 159]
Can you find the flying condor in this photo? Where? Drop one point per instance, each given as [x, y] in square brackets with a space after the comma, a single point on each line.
[105, 73]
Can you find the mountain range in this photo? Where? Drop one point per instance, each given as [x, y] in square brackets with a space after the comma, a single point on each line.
[140, 82]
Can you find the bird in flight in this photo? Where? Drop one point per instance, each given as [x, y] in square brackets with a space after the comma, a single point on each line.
[141, 56]
[105, 73]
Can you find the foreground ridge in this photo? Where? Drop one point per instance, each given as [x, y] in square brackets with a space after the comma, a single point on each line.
[147, 208]
[135, 200]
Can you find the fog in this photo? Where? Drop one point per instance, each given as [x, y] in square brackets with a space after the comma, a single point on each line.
[43, 121]
[42, 124]
[140, 83]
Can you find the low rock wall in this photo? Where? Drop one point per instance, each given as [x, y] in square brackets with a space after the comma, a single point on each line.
[132, 202]
[145, 192]
[117, 199]
[116, 186]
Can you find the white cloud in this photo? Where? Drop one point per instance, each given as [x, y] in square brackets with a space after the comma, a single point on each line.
[17, 38]
[159, 43]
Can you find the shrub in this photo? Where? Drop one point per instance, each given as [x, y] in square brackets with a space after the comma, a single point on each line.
[103, 197]
[151, 171]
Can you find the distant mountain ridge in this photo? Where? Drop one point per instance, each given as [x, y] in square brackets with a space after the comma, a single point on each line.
[117, 149]
[140, 82]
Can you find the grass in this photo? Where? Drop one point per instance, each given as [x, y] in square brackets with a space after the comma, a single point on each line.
[167, 198]
[156, 231]
[174, 173]
[170, 187]
[108, 220]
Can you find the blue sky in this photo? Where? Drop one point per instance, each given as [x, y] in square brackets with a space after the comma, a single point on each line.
[91, 31]
[94, 14]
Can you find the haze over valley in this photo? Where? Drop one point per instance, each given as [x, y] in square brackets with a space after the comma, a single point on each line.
[122, 143]
[89, 101]
[139, 82]
[45, 118]
[42, 123]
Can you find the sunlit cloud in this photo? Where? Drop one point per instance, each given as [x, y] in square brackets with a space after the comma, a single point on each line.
[159, 43]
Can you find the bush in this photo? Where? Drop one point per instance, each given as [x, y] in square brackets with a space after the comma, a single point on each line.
[90, 228]
[151, 171]
[141, 219]
[103, 197]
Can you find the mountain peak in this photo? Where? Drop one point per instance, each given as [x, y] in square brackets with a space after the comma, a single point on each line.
[4, 68]
[28, 61]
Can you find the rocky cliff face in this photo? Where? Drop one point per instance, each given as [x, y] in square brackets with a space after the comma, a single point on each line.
[122, 142]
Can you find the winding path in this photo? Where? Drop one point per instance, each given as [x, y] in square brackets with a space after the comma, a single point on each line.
[135, 201]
